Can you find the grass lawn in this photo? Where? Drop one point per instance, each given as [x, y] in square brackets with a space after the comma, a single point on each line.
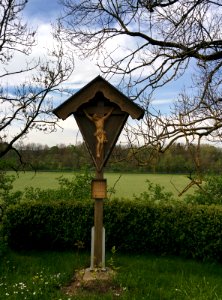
[40, 275]
[126, 184]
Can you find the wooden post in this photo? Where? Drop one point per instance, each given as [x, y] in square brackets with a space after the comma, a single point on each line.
[98, 225]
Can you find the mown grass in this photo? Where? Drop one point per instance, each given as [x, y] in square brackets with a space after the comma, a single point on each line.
[125, 184]
[40, 275]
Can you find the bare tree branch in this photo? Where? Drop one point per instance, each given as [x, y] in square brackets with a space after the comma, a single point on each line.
[170, 32]
[28, 105]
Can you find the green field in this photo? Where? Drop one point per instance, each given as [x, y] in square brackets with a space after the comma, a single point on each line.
[125, 184]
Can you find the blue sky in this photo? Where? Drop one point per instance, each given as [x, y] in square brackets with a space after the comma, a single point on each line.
[43, 10]
[40, 14]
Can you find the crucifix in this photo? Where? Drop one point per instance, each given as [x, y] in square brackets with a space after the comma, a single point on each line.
[99, 119]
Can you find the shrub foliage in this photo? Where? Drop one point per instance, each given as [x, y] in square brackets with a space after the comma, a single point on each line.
[210, 193]
[187, 230]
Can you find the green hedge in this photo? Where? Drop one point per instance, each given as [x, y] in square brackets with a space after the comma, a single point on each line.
[48, 225]
[190, 231]
[186, 230]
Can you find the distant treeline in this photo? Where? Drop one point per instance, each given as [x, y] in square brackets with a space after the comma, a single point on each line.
[178, 159]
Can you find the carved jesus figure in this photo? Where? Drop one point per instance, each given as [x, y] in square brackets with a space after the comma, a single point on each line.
[100, 133]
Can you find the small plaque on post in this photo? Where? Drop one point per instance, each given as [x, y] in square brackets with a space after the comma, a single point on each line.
[99, 189]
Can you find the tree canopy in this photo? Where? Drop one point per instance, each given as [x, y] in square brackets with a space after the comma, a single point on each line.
[164, 36]
[26, 103]
[147, 44]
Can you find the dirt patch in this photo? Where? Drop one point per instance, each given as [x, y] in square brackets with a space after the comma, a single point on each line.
[97, 282]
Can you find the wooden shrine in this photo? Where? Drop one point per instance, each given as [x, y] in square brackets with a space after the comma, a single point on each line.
[100, 111]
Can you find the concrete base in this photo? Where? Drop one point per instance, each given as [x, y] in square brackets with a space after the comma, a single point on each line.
[97, 274]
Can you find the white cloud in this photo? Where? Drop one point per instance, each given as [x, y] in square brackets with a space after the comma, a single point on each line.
[68, 135]
[161, 101]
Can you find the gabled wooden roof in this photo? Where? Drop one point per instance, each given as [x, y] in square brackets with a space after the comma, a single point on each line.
[88, 92]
